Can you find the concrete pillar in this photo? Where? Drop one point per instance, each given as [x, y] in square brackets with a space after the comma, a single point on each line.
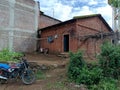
[11, 24]
[119, 19]
[36, 22]
[36, 15]
[114, 23]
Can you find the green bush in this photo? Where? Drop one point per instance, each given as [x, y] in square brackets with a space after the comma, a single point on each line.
[105, 84]
[7, 56]
[109, 60]
[75, 65]
[80, 72]
[89, 76]
[101, 76]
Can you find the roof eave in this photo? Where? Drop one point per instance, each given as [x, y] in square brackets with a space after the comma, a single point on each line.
[59, 24]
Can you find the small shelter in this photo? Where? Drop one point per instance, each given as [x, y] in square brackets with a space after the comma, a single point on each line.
[86, 33]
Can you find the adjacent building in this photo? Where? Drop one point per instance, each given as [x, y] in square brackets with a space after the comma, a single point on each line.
[19, 22]
[24, 28]
[86, 33]
[18, 25]
[45, 20]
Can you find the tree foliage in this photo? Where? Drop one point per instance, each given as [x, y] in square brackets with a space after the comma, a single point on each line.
[109, 60]
[114, 3]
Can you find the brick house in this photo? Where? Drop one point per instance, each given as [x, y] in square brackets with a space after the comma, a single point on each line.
[19, 22]
[84, 32]
[45, 20]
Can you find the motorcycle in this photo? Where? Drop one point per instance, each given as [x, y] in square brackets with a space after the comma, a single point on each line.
[14, 71]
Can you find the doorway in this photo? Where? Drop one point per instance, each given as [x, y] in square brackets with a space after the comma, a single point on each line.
[66, 43]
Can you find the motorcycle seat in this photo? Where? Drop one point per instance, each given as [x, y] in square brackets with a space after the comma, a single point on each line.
[14, 66]
[4, 66]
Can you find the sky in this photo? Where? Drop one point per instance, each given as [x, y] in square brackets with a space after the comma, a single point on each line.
[67, 9]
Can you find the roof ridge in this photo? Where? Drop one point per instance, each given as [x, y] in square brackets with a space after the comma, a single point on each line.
[42, 13]
[86, 16]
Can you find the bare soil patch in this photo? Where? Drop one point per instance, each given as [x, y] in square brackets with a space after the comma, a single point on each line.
[55, 78]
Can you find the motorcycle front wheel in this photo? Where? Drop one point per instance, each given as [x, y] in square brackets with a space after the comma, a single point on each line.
[28, 77]
[3, 81]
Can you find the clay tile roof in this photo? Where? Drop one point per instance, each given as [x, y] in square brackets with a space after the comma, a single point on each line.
[82, 17]
[94, 15]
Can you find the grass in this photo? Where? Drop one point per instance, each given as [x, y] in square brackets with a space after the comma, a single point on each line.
[40, 75]
[56, 86]
[7, 56]
[61, 85]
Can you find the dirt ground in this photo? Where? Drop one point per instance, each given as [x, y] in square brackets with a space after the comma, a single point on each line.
[46, 59]
[55, 79]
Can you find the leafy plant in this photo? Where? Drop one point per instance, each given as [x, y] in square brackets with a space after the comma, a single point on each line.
[105, 84]
[89, 76]
[101, 76]
[109, 60]
[7, 56]
[75, 65]
[80, 72]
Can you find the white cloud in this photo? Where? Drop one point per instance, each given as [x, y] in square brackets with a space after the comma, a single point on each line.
[92, 2]
[65, 11]
[84, 1]
[62, 11]
[58, 10]
[77, 8]
[106, 13]
[105, 1]
[47, 3]
[82, 11]
[85, 10]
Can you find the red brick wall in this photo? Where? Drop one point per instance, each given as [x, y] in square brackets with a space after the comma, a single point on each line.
[57, 45]
[45, 21]
[90, 26]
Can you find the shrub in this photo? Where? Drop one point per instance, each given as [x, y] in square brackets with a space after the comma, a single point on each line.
[105, 84]
[109, 60]
[6, 56]
[89, 76]
[79, 71]
[75, 65]
[100, 76]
